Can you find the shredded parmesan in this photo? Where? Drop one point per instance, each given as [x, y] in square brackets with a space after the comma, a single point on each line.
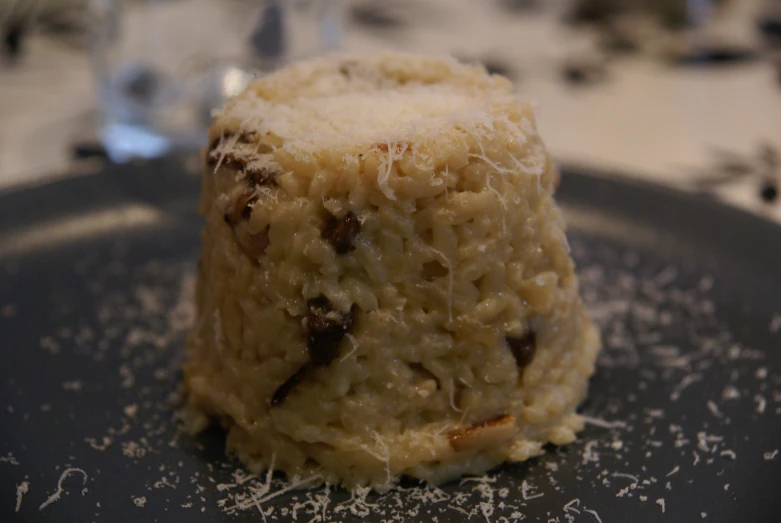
[57, 493]
[354, 343]
[526, 488]
[589, 455]
[386, 455]
[569, 506]
[501, 199]
[593, 513]
[602, 423]
[10, 459]
[21, 490]
[451, 396]
[449, 282]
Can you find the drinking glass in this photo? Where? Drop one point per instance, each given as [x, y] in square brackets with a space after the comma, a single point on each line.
[162, 66]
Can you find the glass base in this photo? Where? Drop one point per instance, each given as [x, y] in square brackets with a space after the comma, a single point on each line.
[124, 142]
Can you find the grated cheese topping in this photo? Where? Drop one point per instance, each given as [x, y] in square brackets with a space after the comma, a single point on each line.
[352, 100]
[368, 118]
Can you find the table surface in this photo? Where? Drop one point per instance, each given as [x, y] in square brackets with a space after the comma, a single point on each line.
[646, 119]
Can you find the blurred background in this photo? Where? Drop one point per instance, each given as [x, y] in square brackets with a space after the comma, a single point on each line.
[685, 93]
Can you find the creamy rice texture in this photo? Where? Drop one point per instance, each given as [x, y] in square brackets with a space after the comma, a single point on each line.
[385, 286]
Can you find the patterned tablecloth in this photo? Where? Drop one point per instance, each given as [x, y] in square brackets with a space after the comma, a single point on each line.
[714, 126]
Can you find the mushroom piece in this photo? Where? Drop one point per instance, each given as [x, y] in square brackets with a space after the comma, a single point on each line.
[325, 327]
[253, 244]
[341, 232]
[523, 348]
[494, 431]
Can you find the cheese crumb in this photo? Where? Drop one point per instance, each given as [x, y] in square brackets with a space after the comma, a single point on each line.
[57, 493]
[525, 488]
[761, 403]
[775, 324]
[8, 311]
[714, 409]
[21, 490]
[131, 410]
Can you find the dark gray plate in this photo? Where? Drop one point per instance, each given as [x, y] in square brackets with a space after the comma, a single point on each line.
[94, 280]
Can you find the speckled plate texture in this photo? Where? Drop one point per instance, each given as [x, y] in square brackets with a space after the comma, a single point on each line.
[684, 413]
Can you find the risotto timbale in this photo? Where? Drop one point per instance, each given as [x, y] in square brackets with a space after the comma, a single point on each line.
[385, 286]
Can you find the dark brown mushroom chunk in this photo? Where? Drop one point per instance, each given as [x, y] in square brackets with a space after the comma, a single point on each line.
[433, 270]
[241, 208]
[254, 245]
[325, 327]
[341, 232]
[283, 390]
[523, 348]
[261, 177]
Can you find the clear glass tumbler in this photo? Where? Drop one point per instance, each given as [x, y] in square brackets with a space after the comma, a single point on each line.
[163, 65]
